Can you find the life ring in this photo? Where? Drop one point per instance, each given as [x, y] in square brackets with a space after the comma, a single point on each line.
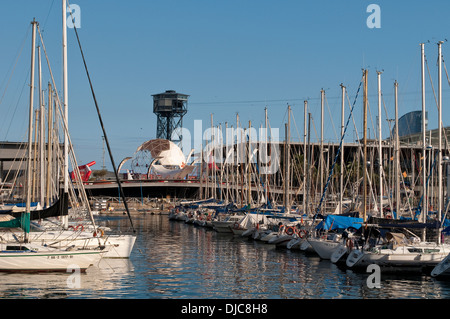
[289, 231]
[98, 232]
[301, 233]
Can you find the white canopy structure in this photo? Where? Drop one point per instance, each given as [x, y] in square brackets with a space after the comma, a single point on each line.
[165, 151]
[168, 159]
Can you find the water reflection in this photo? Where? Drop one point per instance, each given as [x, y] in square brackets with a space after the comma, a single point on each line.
[105, 279]
[175, 260]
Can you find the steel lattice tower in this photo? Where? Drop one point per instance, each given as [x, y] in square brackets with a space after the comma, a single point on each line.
[170, 107]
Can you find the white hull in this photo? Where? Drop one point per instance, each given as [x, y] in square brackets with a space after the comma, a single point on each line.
[280, 240]
[339, 253]
[443, 268]
[323, 247]
[418, 256]
[47, 260]
[261, 233]
[116, 246]
[306, 247]
[267, 237]
[295, 243]
[238, 232]
[222, 226]
[119, 246]
[248, 232]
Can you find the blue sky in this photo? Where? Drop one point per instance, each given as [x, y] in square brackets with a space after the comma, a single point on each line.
[229, 56]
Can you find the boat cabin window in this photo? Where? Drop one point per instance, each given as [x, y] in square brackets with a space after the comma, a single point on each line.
[415, 250]
[432, 250]
[22, 248]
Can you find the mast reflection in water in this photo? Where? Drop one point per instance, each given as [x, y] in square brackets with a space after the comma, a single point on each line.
[174, 260]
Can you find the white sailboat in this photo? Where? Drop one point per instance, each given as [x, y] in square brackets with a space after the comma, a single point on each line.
[39, 258]
[325, 247]
[26, 256]
[224, 226]
[399, 252]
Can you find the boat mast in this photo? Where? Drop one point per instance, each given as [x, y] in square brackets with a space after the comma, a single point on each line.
[287, 163]
[249, 172]
[380, 149]
[308, 175]
[341, 187]
[266, 159]
[365, 145]
[322, 101]
[424, 146]
[41, 133]
[66, 112]
[304, 156]
[30, 126]
[440, 135]
[397, 155]
[49, 143]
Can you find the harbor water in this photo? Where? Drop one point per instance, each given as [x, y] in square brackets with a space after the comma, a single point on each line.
[174, 260]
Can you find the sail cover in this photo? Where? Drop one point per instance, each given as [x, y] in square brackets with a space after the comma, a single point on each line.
[339, 222]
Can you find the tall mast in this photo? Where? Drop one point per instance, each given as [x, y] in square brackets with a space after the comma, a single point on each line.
[249, 172]
[380, 148]
[322, 101]
[424, 146]
[266, 161]
[341, 188]
[308, 176]
[304, 156]
[30, 124]
[66, 108]
[365, 146]
[288, 160]
[49, 143]
[41, 133]
[212, 161]
[440, 133]
[226, 163]
[397, 155]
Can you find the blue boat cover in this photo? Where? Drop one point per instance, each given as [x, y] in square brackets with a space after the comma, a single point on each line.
[339, 222]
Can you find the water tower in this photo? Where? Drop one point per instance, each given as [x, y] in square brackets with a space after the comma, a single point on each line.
[170, 107]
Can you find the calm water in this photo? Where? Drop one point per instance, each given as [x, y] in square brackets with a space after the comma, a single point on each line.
[173, 260]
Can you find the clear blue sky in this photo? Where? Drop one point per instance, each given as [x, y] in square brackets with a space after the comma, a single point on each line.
[230, 56]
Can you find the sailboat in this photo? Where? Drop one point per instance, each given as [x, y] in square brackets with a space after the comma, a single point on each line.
[23, 255]
[397, 251]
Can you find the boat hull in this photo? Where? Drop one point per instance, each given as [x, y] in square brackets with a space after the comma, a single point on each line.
[116, 246]
[442, 269]
[324, 248]
[48, 261]
[399, 258]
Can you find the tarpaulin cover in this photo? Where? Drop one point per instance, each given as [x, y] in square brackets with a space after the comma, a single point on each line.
[332, 222]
